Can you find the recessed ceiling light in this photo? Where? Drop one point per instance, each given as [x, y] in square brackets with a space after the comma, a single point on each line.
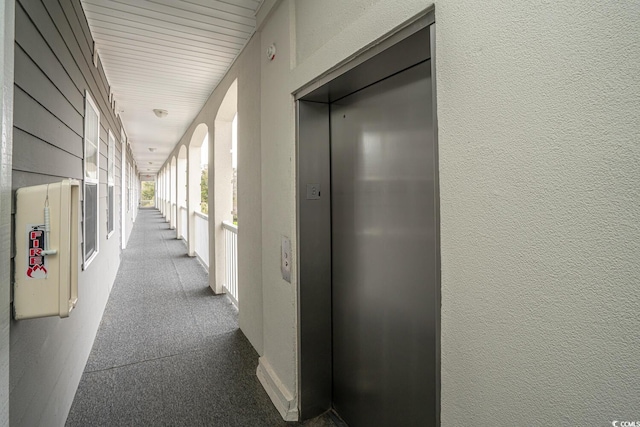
[160, 113]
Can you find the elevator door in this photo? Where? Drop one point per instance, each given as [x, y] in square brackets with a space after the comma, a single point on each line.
[384, 253]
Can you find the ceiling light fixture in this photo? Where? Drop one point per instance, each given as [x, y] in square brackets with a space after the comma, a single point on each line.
[160, 113]
[152, 149]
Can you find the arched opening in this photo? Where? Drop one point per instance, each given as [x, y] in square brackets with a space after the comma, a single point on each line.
[167, 198]
[198, 164]
[181, 192]
[163, 192]
[204, 175]
[234, 168]
[173, 193]
[159, 191]
[223, 246]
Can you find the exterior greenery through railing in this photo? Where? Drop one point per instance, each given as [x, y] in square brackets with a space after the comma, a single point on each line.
[148, 195]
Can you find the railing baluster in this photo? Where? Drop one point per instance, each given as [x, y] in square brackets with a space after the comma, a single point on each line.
[183, 219]
[202, 238]
[231, 260]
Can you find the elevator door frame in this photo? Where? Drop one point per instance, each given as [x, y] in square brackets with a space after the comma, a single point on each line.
[411, 44]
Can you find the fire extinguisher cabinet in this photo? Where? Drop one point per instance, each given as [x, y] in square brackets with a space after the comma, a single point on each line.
[46, 260]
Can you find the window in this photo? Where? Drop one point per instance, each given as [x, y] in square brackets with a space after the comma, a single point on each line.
[111, 197]
[91, 179]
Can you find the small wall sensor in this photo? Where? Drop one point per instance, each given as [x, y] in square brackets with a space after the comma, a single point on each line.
[271, 52]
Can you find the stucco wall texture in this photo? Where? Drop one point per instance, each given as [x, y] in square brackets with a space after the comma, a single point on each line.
[540, 224]
[539, 160]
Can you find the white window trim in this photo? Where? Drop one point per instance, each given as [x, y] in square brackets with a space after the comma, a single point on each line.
[87, 261]
[111, 181]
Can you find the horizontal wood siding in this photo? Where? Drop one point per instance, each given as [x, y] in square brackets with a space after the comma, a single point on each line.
[53, 69]
[32, 118]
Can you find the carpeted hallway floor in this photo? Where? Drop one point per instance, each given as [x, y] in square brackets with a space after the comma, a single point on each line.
[169, 351]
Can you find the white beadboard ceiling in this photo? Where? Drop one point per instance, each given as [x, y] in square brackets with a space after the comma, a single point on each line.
[169, 55]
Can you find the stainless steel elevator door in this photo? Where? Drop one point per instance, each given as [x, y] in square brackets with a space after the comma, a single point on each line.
[384, 253]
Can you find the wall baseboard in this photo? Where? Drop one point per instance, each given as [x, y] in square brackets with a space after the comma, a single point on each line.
[280, 396]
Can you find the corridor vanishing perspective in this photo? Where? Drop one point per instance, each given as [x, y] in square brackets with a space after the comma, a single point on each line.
[410, 213]
[169, 351]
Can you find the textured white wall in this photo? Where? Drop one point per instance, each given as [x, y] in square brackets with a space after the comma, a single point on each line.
[317, 22]
[346, 30]
[537, 105]
[539, 189]
[278, 206]
[538, 108]
[246, 69]
[249, 198]
[310, 38]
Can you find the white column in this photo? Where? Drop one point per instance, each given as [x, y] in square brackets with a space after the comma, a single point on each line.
[220, 199]
[193, 195]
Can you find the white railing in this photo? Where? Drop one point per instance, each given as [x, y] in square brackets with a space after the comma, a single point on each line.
[183, 223]
[231, 260]
[202, 238]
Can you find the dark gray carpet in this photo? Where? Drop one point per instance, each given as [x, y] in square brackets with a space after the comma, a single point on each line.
[168, 351]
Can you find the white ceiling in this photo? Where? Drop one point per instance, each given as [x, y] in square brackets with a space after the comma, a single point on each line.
[166, 54]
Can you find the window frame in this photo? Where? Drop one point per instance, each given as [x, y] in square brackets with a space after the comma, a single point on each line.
[90, 105]
[111, 180]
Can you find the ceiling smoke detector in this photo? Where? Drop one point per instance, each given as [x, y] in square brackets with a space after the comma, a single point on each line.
[160, 113]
